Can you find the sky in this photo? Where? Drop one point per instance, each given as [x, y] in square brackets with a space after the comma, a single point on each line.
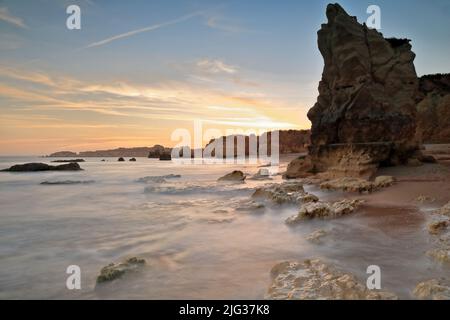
[138, 70]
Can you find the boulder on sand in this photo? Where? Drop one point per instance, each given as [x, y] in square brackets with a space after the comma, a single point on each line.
[236, 175]
[33, 167]
[121, 159]
[133, 159]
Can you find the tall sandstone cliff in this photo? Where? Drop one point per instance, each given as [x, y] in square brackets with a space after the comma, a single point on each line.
[365, 115]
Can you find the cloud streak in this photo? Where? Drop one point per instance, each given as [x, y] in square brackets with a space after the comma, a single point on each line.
[145, 29]
[6, 16]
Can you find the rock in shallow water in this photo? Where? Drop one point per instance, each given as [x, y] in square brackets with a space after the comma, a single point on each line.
[233, 176]
[315, 280]
[358, 185]
[34, 167]
[114, 271]
[433, 290]
[288, 192]
[324, 210]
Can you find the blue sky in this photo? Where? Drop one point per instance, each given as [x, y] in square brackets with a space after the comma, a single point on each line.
[247, 63]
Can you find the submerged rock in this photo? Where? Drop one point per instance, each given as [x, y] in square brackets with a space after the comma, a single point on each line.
[439, 255]
[316, 236]
[233, 176]
[324, 210]
[158, 179]
[288, 192]
[445, 210]
[433, 290]
[262, 174]
[357, 184]
[32, 167]
[114, 271]
[315, 280]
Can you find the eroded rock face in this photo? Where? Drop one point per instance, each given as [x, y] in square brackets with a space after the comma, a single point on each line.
[365, 114]
[315, 280]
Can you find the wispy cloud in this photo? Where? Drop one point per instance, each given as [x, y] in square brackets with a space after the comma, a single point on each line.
[215, 66]
[222, 25]
[145, 29]
[6, 16]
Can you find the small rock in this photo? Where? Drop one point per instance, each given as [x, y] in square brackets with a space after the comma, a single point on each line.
[383, 182]
[233, 176]
[121, 159]
[348, 185]
[316, 236]
[133, 159]
[423, 199]
[114, 271]
[437, 227]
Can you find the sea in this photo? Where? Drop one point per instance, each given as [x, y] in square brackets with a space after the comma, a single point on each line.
[200, 238]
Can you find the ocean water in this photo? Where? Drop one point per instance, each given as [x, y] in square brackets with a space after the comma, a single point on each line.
[197, 240]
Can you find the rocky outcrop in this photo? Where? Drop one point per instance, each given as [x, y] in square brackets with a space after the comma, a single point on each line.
[316, 280]
[114, 271]
[365, 114]
[32, 167]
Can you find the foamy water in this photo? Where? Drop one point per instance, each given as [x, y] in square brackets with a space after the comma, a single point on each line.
[197, 242]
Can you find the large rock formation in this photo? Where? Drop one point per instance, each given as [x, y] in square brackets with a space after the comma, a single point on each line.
[433, 111]
[365, 114]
